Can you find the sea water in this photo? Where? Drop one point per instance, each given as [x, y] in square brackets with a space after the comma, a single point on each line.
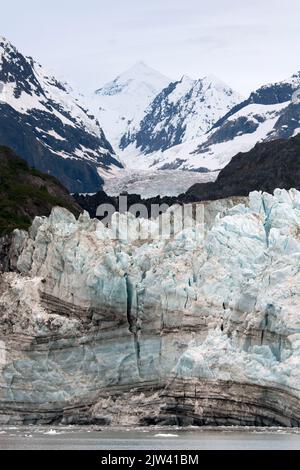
[97, 438]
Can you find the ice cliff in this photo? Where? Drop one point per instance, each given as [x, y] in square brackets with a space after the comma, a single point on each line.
[189, 329]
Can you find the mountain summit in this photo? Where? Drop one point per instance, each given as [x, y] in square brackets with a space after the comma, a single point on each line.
[181, 128]
[271, 112]
[144, 111]
[139, 75]
[121, 103]
[183, 111]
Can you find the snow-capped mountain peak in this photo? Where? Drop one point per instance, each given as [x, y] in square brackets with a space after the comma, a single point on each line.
[183, 111]
[144, 112]
[186, 79]
[121, 103]
[5, 45]
[139, 75]
[181, 88]
[271, 112]
[211, 82]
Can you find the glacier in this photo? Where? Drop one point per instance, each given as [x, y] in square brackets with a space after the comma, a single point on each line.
[150, 184]
[199, 328]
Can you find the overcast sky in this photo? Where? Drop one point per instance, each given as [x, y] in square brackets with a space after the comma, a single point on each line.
[245, 43]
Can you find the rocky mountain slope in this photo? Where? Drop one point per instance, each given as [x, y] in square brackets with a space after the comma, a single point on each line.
[267, 166]
[198, 328]
[271, 112]
[144, 112]
[183, 111]
[43, 120]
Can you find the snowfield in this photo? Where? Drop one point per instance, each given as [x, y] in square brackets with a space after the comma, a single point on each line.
[149, 183]
[120, 104]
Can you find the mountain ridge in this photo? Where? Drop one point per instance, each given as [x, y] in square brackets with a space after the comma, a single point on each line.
[271, 112]
[42, 119]
[184, 110]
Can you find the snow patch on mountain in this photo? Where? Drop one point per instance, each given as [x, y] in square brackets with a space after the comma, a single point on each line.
[183, 111]
[271, 112]
[121, 103]
[45, 121]
[42, 91]
[218, 155]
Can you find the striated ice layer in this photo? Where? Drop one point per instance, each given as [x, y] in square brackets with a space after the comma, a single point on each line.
[202, 327]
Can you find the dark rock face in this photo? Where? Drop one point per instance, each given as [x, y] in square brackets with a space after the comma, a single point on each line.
[160, 110]
[43, 122]
[5, 243]
[288, 122]
[18, 132]
[267, 166]
[274, 93]
[228, 131]
[15, 68]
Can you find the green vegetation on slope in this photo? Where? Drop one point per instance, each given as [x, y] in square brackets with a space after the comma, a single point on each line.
[26, 192]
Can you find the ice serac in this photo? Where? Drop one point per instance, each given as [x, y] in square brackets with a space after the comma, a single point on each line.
[190, 329]
[45, 121]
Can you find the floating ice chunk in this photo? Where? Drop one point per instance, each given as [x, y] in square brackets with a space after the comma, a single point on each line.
[52, 432]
